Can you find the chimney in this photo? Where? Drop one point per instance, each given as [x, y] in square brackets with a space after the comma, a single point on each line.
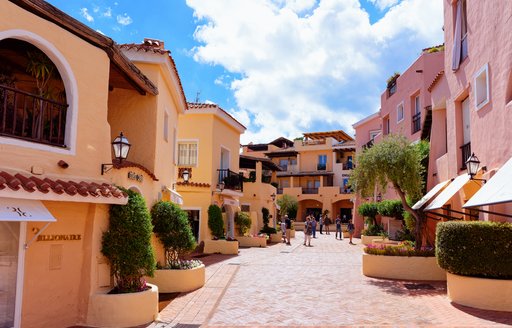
[157, 44]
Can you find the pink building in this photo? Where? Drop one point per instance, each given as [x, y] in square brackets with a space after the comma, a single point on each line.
[405, 109]
[471, 110]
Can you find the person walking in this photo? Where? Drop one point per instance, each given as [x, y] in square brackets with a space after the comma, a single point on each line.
[350, 229]
[308, 231]
[313, 226]
[321, 223]
[338, 228]
[288, 227]
[283, 230]
[327, 222]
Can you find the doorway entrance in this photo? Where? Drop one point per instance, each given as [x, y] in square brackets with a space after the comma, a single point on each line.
[315, 211]
[193, 220]
[347, 212]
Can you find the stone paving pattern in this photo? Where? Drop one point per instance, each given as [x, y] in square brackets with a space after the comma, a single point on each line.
[318, 286]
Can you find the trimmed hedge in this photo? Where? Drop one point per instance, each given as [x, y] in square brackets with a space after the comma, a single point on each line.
[391, 208]
[215, 221]
[476, 249]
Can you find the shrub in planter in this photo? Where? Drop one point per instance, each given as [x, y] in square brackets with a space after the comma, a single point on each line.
[215, 222]
[406, 248]
[243, 221]
[477, 249]
[127, 244]
[172, 228]
[373, 230]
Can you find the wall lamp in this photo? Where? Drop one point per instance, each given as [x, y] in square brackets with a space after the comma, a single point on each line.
[121, 148]
[185, 175]
[472, 165]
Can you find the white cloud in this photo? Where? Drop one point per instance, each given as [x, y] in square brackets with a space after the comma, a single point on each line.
[324, 70]
[124, 19]
[85, 14]
[107, 12]
[95, 9]
[383, 4]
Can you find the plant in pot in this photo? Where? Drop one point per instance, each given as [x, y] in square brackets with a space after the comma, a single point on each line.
[172, 228]
[266, 219]
[216, 225]
[215, 222]
[243, 222]
[127, 244]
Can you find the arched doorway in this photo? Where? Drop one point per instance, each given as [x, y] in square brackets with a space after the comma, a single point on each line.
[307, 207]
[343, 208]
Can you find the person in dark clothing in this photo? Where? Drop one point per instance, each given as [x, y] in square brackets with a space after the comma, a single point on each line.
[288, 223]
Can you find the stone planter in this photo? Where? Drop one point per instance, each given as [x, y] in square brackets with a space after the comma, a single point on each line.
[402, 267]
[366, 240]
[276, 238]
[252, 241]
[481, 293]
[123, 310]
[220, 246]
[173, 281]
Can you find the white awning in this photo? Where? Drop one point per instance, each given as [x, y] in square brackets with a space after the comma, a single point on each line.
[448, 192]
[429, 195]
[176, 197]
[15, 209]
[497, 190]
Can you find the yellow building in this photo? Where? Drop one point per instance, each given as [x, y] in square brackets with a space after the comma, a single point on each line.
[208, 165]
[316, 169]
[53, 141]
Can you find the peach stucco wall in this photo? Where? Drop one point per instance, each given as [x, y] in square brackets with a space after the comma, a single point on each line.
[92, 146]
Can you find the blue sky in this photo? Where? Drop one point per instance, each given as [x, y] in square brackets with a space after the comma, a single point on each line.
[281, 67]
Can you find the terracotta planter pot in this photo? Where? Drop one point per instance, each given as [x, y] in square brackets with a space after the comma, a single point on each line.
[481, 293]
[123, 310]
[172, 281]
[220, 246]
[252, 241]
[402, 267]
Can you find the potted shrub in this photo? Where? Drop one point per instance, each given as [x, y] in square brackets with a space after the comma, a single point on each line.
[218, 244]
[172, 228]
[373, 231]
[402, 261]
[127, 246]
[476, 256]
[243, 223]
[271, 232]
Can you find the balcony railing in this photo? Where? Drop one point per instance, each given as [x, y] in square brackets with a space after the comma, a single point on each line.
[231, 180]
[416, 122]
[279, 191]
[310, 191]
[30, 117]
[321, 167]
[466, 152]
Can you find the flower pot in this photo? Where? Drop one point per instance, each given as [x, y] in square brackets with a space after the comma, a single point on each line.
[276, 237]
[220, 246]
[246, 241]
[123, 310]
[175, 280]
[402, 267]
[481, 293]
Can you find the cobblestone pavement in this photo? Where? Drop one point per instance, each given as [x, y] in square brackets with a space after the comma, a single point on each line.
[316, 286]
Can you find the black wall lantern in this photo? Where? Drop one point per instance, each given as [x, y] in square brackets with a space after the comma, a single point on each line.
[472, 165]
[121, 148]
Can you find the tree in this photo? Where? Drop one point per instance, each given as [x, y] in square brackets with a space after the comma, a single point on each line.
[397, 162]
[172, 228]
[288, 205]
[127, 244]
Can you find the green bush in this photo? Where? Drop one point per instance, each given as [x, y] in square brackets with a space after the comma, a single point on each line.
[288, 205]
[391, 208]
[127, 244]
[373, 230]
[369, 210]
[268, 230]
[172, 228]
[403, 249]
[215, 222]
[243, 221]
[477, 249]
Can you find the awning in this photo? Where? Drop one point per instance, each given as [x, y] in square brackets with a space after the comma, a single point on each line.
[429, 195]
[231, 202]
[497, 190]
[448, 192]
[176, 197]
[15, 209]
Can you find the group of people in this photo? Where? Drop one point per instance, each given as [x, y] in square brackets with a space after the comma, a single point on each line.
[311, 223]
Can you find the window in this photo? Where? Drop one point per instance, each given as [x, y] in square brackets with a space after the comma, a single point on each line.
[322, 162]
[166, 126]
[373, 134]
[481, 87]
[416, 115]
[400, 112]
[385, 123]
[187, 153]
[283, 163]
[460, 43]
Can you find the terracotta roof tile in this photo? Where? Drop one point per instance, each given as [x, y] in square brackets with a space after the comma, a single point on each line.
[33, 184]
[193, 184]
[436, 79]
[191, 105]
[123, 164]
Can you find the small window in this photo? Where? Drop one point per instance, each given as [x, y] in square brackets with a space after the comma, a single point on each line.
[400, 112]
[373, 134]
[245, 207]
[481, 87]
[322, 163]
[385, 123]
[166, 127]
[187, 153]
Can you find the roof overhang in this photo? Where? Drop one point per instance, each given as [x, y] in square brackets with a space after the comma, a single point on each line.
[431, 194]
[287, 153]
[448, 192]
[249, 162]
[19, 210]
[338, 135]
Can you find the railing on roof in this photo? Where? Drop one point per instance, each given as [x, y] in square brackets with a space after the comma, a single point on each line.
[231, 180]
[310, 190]
[30, 117]
[313, 142]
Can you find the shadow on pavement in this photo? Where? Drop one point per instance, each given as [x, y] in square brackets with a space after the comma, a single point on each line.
[409, 288]
[496, 316]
